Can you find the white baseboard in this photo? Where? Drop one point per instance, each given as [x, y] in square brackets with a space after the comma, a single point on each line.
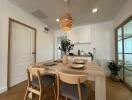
[3, 90]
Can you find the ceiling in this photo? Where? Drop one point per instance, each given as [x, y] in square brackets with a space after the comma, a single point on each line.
[81, 10]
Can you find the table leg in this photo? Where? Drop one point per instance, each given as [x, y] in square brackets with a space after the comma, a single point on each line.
[100, 88]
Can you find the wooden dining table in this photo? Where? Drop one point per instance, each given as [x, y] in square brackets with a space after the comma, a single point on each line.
[92, 70]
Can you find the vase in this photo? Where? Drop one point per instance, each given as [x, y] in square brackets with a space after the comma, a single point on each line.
[65, 59]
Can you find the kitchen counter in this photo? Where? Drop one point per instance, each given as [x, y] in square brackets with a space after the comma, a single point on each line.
[79, 55]
[83, 57]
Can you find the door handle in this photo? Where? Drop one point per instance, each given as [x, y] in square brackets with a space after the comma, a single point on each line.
[33, 52]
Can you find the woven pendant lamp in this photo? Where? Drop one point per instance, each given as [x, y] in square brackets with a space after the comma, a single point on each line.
[66, 21]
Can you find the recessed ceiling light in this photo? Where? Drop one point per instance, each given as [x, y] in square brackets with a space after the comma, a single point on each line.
[94, 10]
[57, 20]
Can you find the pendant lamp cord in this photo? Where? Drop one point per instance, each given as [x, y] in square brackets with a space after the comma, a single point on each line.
[66, 5]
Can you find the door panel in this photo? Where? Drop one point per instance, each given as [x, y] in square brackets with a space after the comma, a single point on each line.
[21, 48]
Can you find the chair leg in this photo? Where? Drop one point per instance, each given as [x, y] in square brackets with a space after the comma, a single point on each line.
[57, 97]
[54, 90]
[66, 98]
[40, 97]
[26, 95]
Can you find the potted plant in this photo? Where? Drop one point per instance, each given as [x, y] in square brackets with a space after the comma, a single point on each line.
[114, 68]
[66, 47]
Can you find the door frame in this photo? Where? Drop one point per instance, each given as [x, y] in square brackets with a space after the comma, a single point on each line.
[120, 25]
[9, 44]
[116, 47]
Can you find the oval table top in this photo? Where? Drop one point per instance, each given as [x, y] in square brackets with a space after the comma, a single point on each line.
[90, 68]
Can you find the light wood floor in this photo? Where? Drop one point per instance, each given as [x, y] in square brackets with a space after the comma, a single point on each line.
[115, 91]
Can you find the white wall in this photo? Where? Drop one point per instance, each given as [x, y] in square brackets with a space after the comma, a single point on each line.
[102, 38]
[124, 13]
[44, 40]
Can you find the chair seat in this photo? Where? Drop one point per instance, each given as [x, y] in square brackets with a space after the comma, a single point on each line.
[71, 91]
[46, 80]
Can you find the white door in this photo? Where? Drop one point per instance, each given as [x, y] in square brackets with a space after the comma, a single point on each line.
[21, 49]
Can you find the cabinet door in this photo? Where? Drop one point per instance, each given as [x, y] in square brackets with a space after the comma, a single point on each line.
[84, 34]
[73, 35]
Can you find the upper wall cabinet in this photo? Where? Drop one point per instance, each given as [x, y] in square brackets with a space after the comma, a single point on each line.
[81, 34]
[73, 35]
[84, 34]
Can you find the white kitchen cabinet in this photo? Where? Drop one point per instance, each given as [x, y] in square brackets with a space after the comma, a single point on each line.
[84, 34]
[73, 35]
[81, 34]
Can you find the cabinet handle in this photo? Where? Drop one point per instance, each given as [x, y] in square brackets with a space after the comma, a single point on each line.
[33, 52]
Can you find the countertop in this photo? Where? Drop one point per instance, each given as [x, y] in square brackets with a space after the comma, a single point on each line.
[79, 55]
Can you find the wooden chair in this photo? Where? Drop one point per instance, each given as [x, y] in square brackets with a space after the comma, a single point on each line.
[72, 86]
[37, 81]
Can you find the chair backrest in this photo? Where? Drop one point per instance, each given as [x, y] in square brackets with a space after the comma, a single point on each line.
[72, 78]
[34, 73]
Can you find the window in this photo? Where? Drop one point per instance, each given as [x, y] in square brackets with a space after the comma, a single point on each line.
[124, 50]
